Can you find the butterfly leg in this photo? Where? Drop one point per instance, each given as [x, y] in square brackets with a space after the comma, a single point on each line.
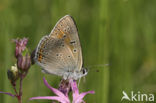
[66, 75]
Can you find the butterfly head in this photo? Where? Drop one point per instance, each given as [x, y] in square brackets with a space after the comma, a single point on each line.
[84, 71]
[76, 74]
[81, 73]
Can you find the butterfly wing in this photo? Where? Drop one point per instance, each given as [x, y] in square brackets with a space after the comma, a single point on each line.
[60, 52]
[66, 28]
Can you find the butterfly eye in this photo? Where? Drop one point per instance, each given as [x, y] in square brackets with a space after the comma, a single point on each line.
[84, 71]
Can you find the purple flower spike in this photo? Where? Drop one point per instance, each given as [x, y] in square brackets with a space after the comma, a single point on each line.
[60, 96]
[59, 99]
[56, 91]
[20, 45]
[78, 98]
[7, 94]
[63, 97]
[64, 87]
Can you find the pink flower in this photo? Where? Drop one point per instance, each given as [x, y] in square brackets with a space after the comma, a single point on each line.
[20, 45]
[77, 98]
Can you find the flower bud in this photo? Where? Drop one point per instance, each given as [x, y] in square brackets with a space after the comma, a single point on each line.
[64, 87]
[13, 74]
[20, 45]
[24, 62]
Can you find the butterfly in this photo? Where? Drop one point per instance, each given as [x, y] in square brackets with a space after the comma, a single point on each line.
[59, 53]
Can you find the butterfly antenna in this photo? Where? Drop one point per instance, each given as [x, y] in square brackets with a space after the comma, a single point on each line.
[96, 66]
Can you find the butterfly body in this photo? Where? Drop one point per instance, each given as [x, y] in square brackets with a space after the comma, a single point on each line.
[59, 53]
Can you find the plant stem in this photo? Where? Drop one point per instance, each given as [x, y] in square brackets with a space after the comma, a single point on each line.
[19, 99]
[16, 93]
[14, 87]
[20, 89]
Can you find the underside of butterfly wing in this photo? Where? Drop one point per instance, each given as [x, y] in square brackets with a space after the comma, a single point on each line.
[60, 52]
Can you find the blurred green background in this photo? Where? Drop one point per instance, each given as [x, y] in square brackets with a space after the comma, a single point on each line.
[120, 33]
